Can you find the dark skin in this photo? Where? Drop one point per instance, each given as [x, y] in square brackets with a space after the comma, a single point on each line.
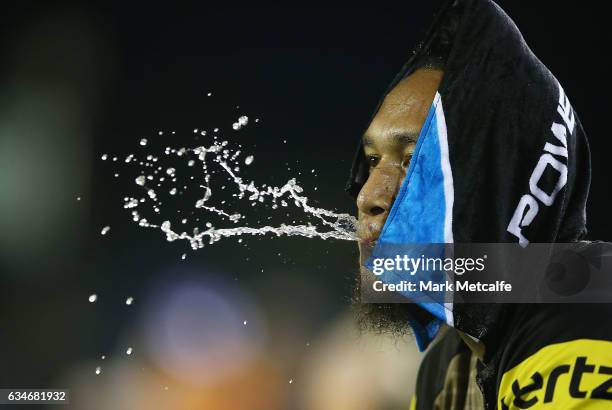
[389, 143]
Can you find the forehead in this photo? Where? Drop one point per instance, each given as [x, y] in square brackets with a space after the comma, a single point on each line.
[405, 108]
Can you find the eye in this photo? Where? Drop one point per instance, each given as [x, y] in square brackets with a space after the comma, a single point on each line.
[372, 160]
[406, 161]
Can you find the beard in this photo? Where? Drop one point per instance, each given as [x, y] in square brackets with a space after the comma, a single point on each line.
[383, 318]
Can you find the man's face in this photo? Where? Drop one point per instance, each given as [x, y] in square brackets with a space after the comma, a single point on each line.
[389, 143]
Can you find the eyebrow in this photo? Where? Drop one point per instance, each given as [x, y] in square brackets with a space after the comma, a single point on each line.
[402, 138]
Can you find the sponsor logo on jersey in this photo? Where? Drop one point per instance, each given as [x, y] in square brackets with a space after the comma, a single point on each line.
[575, 374]
[554, 157]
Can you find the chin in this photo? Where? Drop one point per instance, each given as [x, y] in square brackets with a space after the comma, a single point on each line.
[389, 318]
[365, 250]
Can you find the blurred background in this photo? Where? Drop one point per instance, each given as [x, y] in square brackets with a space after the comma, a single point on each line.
[264, 324]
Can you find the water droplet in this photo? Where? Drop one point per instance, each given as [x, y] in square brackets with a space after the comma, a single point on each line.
[143, 142]
[245, 323]
[78, 198]
[130, 203]
[209, 94]
[290, 381]
[104, 157]
[129, 301]
[105, 230]
[220, 159]
[128, 351]
[98, 370]
[92, 298]
[183, 256]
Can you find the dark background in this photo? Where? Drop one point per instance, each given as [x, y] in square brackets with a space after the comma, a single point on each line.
[79, 81]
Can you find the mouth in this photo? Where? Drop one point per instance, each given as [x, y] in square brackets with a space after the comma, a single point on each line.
[367, 233]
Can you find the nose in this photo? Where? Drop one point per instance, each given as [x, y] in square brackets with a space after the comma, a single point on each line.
[376, 199]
